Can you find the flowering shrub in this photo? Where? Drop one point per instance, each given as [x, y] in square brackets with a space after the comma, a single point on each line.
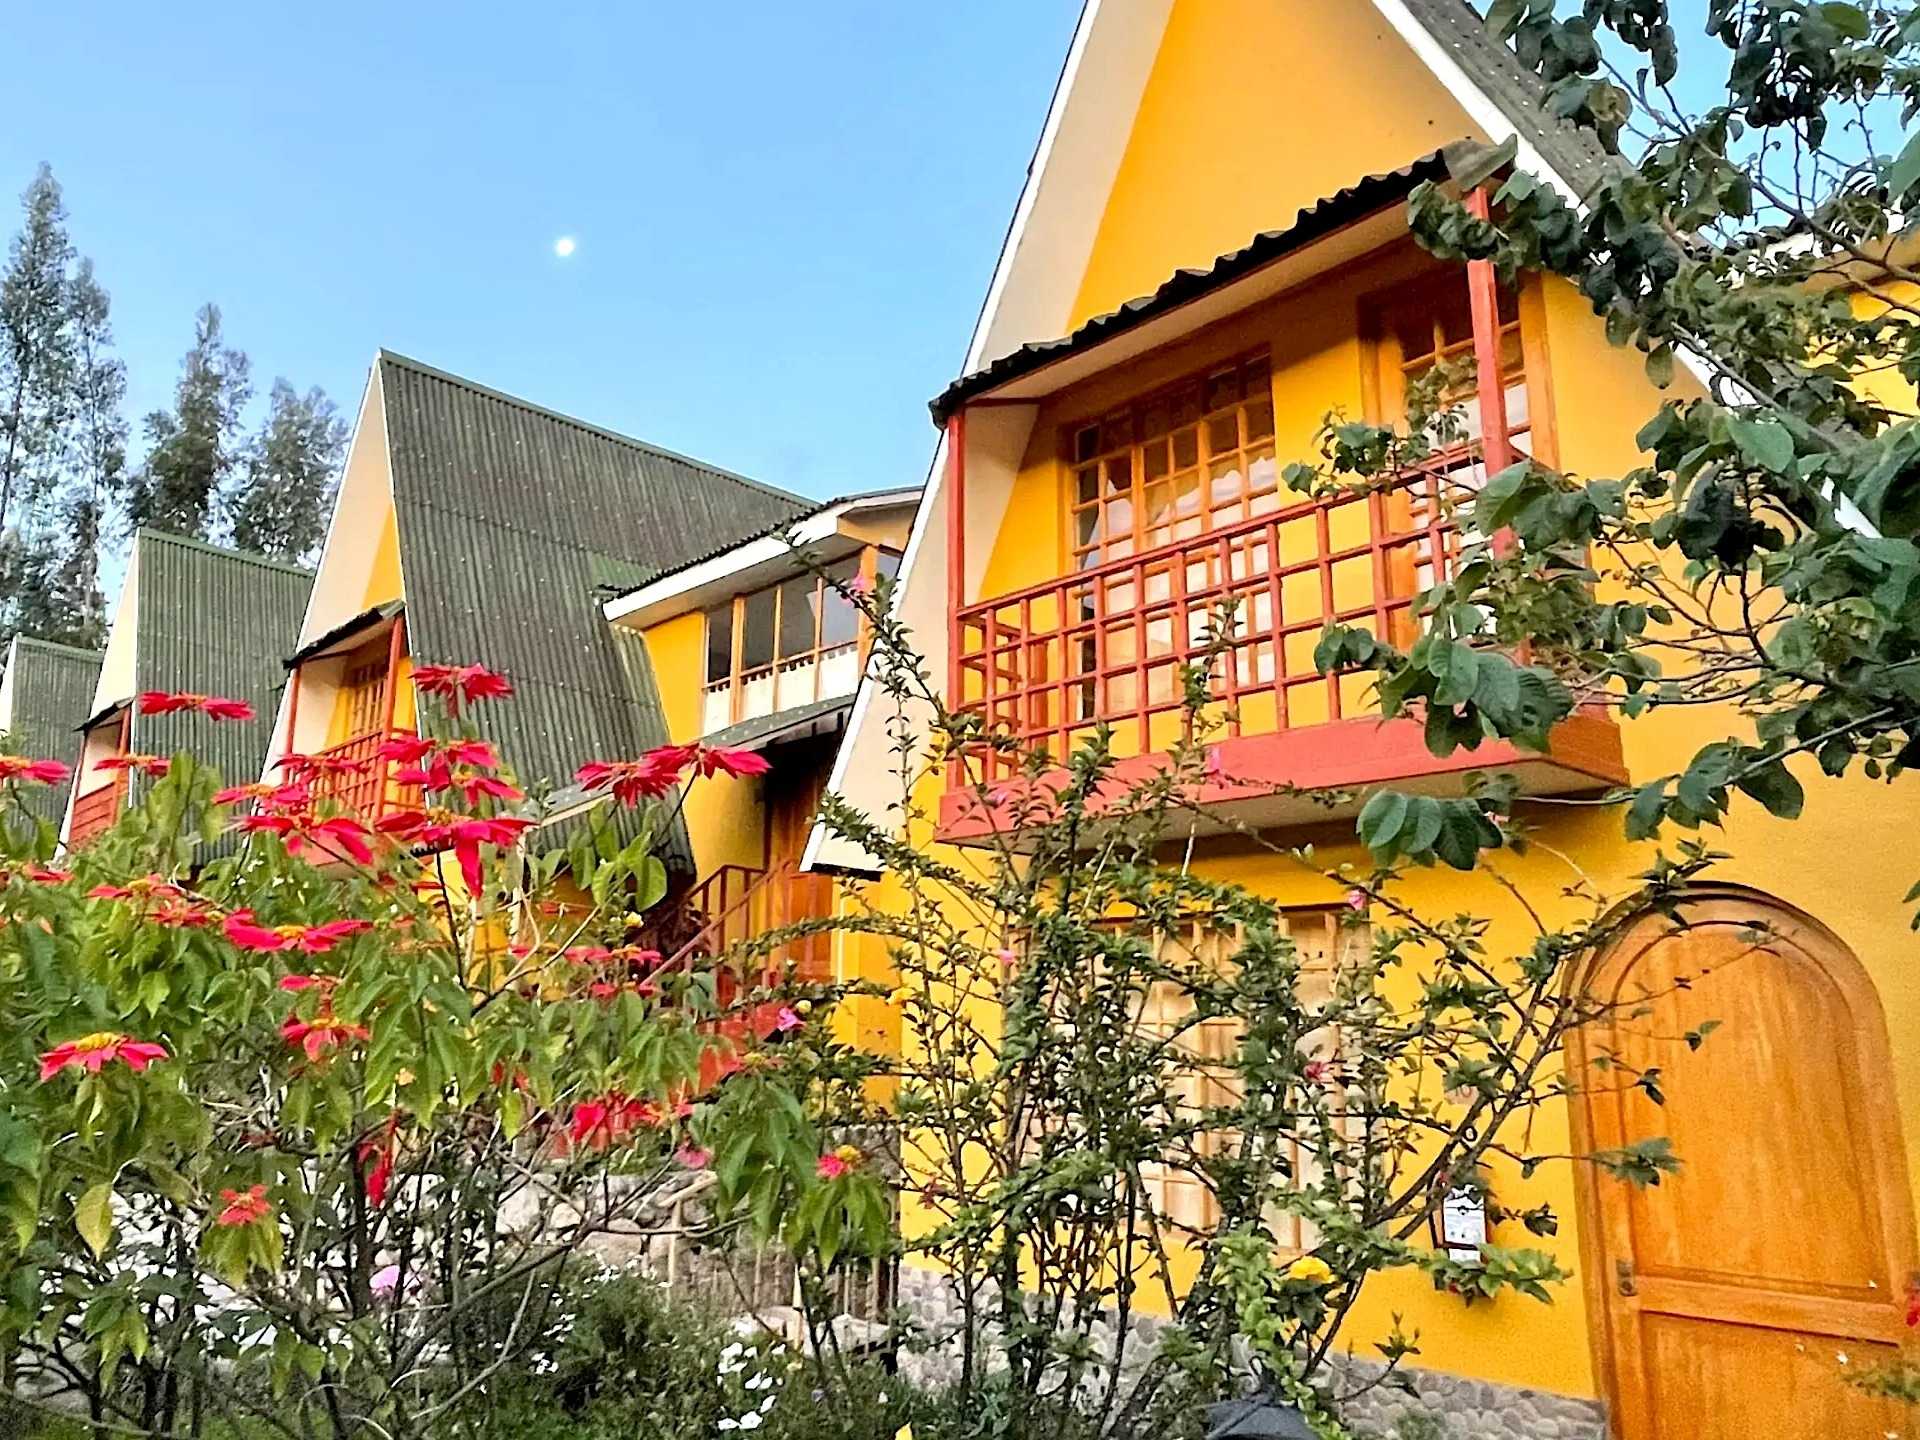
[299, 1129]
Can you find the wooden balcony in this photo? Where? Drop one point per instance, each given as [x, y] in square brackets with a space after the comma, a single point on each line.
[369, 790]
[1044, 666]
[95, 810]
[737, 903]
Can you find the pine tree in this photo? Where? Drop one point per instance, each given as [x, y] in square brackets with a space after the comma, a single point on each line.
[36, 354]
[193, 448]
[279, 506]
[94, 474]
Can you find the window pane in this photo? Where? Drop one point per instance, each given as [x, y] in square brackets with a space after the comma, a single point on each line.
[841, 623]
[756, 644]
[719, 643]
[797, 598]
[886, 564]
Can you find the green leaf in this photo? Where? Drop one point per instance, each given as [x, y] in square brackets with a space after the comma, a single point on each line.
[1849, 20]
[1906, 168]
[93, 1217]
[1775, 787]
[1765, 443]
[1643, 816]
[1660, 365]
[1381, 819]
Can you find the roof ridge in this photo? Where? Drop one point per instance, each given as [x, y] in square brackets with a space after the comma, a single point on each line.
[909, 495]
[394, 357]
[78, 652]
[148, 532]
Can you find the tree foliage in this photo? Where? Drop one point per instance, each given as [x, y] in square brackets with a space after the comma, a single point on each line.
[1762, 558]
[280, 503]
[305, 1120]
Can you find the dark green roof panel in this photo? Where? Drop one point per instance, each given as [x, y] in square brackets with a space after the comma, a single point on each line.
[52, 694]
[213, 622]
[514, 522]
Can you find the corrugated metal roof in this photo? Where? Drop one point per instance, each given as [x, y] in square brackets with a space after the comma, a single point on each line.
[511, 520]
[213, 622]
[1497, 72]
[345, 630]
[1322, 218]
[795, 722]
[52, 692]
[909, 496]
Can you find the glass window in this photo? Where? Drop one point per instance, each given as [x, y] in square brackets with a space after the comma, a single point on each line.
[719, 643]
[841, 623]
[799, 601]
[756, 639]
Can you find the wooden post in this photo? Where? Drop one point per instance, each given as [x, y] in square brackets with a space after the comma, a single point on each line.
[293, 710]
[1483, 292]
[389, 699]
[956, 547]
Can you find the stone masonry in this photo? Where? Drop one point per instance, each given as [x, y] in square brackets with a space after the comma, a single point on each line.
[1416, 1404]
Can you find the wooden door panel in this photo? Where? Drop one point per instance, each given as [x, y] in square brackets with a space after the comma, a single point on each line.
[1740, 1292]
[1780, 1071]
[1735, 1382]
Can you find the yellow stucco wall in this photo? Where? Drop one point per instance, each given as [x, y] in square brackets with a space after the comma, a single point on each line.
[1254, 109]
[725, 821]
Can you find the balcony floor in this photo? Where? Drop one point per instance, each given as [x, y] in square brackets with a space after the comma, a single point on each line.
[1259, 776]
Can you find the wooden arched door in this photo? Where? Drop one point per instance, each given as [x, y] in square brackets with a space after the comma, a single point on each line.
[1740, 1292]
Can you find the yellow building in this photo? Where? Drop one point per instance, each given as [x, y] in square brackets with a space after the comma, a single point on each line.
[760, 647]
[1210, 255]
[473, 527]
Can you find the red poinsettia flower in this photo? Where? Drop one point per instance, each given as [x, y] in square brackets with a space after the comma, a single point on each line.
[464, 834]
[279, 797]
[214, 707]
[461, 684]
[245, 932]
[473, 786]
[244, 1207]
[314, 767]
[630, 781]
[40, 772]
[610, 1119]
[334, 836]
[322, 1035]
[91, 1052]
[143, 887]
[294, 984]
[720, 759]
[375, 1152]
[45, 875]
[183, 914]
[153, 766]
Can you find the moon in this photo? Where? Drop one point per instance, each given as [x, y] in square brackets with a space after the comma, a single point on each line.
[564, 246]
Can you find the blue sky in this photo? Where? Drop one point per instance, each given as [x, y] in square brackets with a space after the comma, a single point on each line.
[786, 215]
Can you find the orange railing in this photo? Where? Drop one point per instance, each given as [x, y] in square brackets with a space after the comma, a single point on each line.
[1043, 666]
[739, 902]
[369, 791]
[96, 810]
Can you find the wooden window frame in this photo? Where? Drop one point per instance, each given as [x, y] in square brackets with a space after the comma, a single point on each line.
[1086, 455]
[814, 658]
[1343, 936]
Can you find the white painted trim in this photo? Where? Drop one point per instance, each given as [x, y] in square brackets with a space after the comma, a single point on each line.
[655, 601]
[1042, 170]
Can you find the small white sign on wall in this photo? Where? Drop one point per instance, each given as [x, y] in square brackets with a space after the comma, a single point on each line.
[1463, 1225]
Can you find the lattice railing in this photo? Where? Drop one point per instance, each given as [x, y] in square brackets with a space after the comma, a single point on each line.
[1046, 664]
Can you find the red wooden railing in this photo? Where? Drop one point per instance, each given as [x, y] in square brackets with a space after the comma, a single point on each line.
[368, 792]
[96, 810]
[1046, 664]
[740, 903]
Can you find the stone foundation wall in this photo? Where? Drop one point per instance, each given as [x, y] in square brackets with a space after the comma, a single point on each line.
[1440, 1407]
